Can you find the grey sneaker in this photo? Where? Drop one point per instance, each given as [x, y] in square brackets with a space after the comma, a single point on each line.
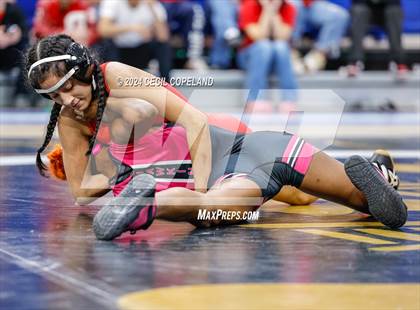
[132, 210]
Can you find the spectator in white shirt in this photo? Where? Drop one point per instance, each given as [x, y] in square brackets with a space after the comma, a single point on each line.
[139, 30]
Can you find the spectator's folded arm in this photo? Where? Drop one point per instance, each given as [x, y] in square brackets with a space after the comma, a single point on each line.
[108, 29]
[160, 26]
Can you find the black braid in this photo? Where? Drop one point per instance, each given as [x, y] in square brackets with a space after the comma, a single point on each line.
[55, 112]
[101, 103]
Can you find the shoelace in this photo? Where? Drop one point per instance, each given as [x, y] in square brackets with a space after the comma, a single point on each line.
[389, 175]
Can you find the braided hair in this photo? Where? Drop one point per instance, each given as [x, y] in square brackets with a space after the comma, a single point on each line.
[101, 92]
[54, 46]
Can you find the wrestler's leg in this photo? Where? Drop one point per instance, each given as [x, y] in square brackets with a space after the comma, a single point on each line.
[294, 196]
[357, 184]
[140, 205]
[234, 194]
[327, 179]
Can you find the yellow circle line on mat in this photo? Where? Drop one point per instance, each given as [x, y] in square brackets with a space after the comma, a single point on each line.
[413, 168]
[315, 210]
[412, 204]
[320, 225]
[248, 296]
[409, 194]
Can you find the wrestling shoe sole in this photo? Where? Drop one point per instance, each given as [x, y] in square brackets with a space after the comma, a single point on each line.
[384, 202]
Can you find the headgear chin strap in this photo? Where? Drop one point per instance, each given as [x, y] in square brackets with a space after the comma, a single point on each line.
[77, 62]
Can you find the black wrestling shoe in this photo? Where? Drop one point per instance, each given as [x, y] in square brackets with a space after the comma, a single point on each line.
[384, 202]
[382, 160]
[133, 209]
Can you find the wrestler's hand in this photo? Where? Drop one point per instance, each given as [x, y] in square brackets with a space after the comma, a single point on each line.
[104, 163]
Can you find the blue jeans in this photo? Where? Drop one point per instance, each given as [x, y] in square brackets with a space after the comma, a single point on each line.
[262, 58]
[223, 16]
[332, 21]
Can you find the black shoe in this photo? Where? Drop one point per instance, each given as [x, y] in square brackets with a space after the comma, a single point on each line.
[133, 209]
[384, 162]
[384, 202]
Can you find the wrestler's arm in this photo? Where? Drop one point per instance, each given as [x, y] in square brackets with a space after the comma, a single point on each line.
[125, 112]
[75, 144]
[173, 109]
[129, 113]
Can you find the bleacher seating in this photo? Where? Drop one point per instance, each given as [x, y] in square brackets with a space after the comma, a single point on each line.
[411, 37]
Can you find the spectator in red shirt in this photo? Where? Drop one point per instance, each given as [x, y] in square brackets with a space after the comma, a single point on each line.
[67, 16]
[267, 25]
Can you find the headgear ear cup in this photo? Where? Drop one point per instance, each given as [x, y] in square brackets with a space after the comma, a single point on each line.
[82, 61]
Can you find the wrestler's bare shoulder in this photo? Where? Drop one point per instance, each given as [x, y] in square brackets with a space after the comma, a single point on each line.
[117, 72]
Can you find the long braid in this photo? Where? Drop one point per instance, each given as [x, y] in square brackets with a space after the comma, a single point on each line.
[101, 104]
[55, 112]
